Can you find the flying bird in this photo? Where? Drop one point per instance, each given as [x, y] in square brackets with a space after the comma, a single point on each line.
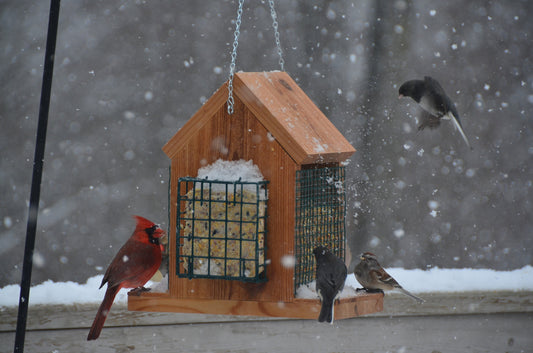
[436, 104]
[134, 264]
[374, 278]
[331, 274]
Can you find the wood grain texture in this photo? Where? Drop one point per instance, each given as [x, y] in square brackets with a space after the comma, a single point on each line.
[305, 133]
[241, 136]
[172, 285]
[363, 304]
[294, 120]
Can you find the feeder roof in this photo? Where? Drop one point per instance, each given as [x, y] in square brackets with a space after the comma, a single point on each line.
[303, 131]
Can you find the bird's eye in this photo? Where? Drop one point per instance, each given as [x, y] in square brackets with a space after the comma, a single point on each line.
[150, 231]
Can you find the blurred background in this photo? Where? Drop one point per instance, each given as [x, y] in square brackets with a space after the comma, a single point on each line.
[129, 74]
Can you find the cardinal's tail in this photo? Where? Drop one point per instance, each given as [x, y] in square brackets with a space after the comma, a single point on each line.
[101, 315]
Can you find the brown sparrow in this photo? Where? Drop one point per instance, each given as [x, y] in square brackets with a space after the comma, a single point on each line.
[374, 278]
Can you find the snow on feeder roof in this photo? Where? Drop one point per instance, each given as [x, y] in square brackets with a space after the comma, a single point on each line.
[277, 127]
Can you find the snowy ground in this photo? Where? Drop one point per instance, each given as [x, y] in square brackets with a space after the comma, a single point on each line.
[417, 281]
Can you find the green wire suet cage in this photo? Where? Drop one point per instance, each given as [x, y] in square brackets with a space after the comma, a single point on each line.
[320, 214]
[222, 229]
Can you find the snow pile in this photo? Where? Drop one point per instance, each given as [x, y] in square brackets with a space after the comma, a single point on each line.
[231, 171]
[159, 287]
[308, 291]
[462, 280]
[50, 292]
[442, 280]
[417, 281]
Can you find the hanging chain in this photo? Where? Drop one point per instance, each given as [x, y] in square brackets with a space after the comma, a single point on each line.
[276, 34]
[231, 100]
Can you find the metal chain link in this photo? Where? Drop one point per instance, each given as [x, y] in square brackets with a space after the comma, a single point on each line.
[231, 100]
[276, 34]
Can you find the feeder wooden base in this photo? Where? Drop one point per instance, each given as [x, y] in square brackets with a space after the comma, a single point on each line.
[362, 304]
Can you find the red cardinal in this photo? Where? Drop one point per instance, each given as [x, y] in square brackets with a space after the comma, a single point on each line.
[135, 263]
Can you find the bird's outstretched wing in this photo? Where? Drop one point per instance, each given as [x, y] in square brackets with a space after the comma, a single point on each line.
[428, 120]
[443, 101]
[381, 276]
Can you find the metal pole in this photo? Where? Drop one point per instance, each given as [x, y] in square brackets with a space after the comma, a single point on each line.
[38, 162]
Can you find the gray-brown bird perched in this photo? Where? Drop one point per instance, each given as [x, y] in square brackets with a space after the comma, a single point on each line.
[374, 278]
[331, 274]
[436, 104]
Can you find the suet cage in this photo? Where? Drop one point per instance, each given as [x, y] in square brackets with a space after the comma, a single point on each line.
[221, 229]
[320, 213]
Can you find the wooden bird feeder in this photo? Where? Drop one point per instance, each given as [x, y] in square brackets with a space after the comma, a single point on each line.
[300, 153]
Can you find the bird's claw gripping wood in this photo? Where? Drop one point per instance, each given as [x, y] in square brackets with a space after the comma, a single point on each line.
[137, 291]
